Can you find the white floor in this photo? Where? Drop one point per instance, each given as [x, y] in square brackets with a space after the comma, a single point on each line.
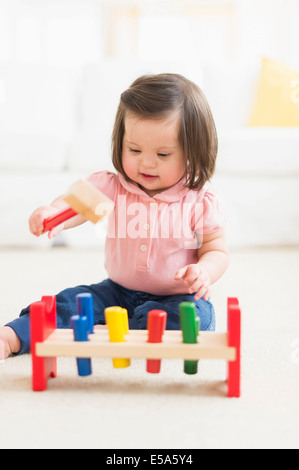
[131, 409]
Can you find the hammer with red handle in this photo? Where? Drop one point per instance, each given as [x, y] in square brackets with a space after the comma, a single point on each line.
[84, 199]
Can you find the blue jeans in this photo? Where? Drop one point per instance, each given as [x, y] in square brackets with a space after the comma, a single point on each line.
[106, 294]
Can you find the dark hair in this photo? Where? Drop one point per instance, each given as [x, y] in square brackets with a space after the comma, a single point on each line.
[154, 97]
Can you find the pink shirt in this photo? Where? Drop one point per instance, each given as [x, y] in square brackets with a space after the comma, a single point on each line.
[150, 238]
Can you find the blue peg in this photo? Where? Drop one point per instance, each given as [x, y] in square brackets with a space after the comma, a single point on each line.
[80, 326]
[85, 308]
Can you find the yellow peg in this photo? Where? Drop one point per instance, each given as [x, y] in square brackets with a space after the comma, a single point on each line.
[118, 326]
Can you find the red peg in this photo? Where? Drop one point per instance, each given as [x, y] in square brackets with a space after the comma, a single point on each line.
[156, 324]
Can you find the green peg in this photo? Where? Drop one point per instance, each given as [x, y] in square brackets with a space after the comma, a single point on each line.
[190, 326]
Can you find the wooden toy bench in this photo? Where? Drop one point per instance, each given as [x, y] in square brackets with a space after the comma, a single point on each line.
[48, 342]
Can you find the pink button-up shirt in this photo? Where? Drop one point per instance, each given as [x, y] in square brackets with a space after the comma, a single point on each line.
[150, 238]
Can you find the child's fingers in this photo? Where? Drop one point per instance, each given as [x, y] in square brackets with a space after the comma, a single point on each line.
[195, 280]
[195, 285]
[203, 291]
[32, 225]
[36, 222]
[55, 231]
[207, 295]
[190, 275]
[179, 275]
[36, 230]
[200, 292]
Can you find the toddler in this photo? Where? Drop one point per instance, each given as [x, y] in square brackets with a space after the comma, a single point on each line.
[165, 242]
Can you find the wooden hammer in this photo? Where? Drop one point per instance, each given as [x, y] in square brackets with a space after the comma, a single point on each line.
[84, 199]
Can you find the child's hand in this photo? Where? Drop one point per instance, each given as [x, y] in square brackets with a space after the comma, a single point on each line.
[11, 341]
[36, 221]
[197, 278]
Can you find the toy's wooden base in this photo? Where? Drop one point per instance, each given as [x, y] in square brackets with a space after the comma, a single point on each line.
[48, 342]
[211, 346]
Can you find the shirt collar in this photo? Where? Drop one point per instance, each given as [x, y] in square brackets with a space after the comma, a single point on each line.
[173, 194]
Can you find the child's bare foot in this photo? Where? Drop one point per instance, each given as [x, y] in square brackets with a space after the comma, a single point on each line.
[10, 340]
[2, 351]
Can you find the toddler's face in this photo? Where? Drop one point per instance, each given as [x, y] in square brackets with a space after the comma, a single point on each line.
[152, 155]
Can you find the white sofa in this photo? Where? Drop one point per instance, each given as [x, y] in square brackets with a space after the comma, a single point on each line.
[258, 175]
[56, 127]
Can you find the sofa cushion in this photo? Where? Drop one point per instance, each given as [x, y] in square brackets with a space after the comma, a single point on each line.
[276, 102]
[259, 151]
[260, 211]
[32, 152]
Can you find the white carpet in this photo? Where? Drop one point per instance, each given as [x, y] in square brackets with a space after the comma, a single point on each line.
[119, 409]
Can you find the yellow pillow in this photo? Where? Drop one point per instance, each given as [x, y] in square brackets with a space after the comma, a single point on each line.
[277, 101]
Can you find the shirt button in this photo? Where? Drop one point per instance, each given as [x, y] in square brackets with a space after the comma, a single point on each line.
[146, 226]
[143, 248]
